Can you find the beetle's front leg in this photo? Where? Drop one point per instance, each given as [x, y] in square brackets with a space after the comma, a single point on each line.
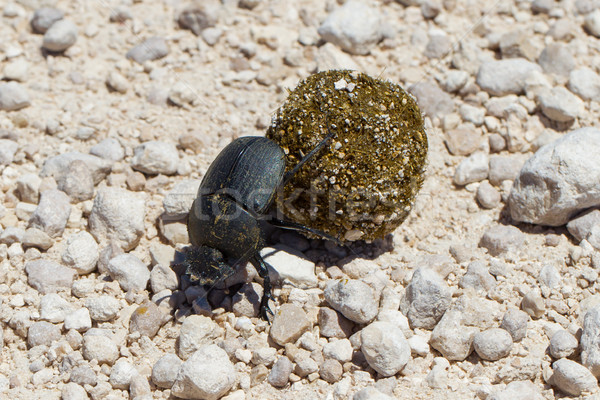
[263, 271]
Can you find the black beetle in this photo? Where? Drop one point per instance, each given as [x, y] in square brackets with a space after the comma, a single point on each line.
[225, 223]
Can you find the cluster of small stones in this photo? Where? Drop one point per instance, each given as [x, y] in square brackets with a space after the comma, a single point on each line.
[110, 116]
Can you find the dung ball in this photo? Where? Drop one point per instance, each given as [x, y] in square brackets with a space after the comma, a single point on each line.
[363, 183]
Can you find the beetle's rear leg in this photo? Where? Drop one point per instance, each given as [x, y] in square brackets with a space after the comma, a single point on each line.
[263, 271]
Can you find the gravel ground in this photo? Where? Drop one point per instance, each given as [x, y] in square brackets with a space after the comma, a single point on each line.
[111, 112]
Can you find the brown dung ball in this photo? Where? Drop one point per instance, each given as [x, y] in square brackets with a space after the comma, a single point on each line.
[363, 183]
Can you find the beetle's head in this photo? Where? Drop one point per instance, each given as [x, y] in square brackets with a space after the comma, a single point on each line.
[206, 265]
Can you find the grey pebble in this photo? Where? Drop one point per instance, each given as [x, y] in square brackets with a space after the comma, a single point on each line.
[585, 83]
[73, 391]
[573, 378]
[102, 308]
[533, 304]
[178, 201]
[488, 196]
[542, 6]
[504, 168]
[208, 373]
[385, 348]
[200, 16]
[78, 320]
[246, 302]
[42, 333]
[474, 168]
[590, 347]
[150, 49]
[497, 142]
[264, 355]
[463, 140]
[163, 277]
[109, 149]
[139, 388]
[557, 58]
[472, 114]
[549, 276]
[58, 165]
[340, 350]
[60, 36]
[155, 158]
[561, 105]
[121, 374]
[37, 238]
[305, 366]
[81, 252]
[77, 182]
[147, 319]
[439, 44]
[591, 23]
[289, 266]
[354, 299]
[562, 344]
[8, 148]
[280, 373]
[426, 299]
[437, 378]
[52, 212]
[129, 271]
[515, 323]
[492, 344]
[518, 43]
[164, 371]
[333, 324]
[355, 27]
[581, 226]
[478, 277]
[500, 239]
[432, 100]
[289, 323]
[567, 165]
[455, 80]
[44, 17]
[83, 375]
[504, 77]
[118, 215]
[28, 186]
[13, 96]
[47, 276]
[54, 308]
[196, 331]
[452, 338]
[24, 211]
[331, 370]
[117, 82]
[12, 234]
[99, 347]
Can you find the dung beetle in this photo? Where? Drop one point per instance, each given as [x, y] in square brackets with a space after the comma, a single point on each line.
[226, 221]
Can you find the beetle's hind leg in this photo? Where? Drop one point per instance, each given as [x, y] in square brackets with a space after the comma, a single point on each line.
[263, 271]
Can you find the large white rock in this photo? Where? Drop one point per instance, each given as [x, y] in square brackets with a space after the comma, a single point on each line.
[502, 77]
[118, 215]
[385, 348]
[355, 27]
[289, 266]
[559, 180]
[207, 374]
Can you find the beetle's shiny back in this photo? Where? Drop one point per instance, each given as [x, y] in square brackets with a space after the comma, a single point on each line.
[250, 169]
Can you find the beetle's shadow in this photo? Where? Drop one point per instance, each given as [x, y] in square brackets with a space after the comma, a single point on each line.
[330, 253]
